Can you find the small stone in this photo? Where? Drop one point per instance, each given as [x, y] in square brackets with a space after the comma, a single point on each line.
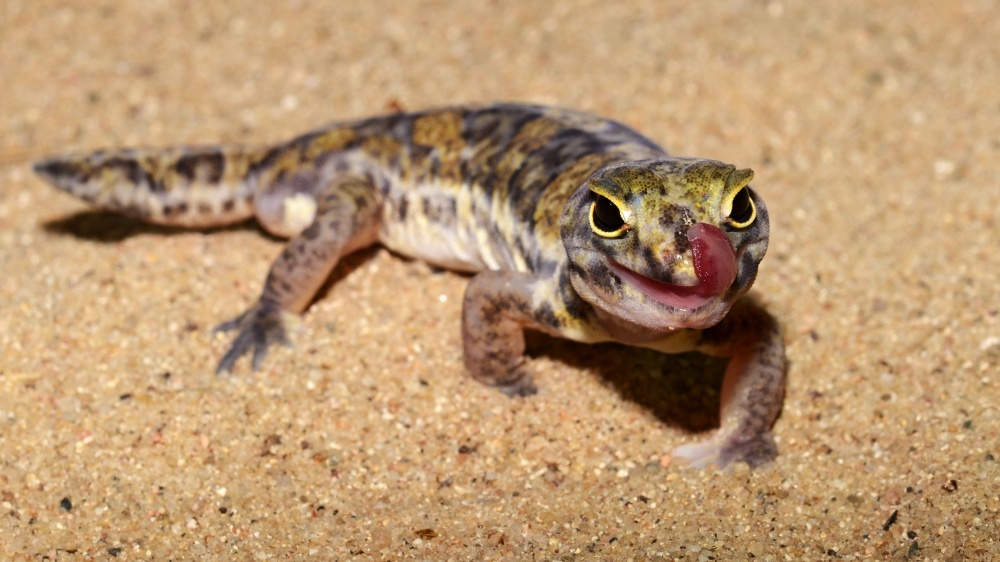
[944, 169]
[496, 538]
[989, 343]
[426, 534]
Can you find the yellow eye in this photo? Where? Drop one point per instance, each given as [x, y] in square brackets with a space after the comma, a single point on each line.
[742, 212]
[606, 218]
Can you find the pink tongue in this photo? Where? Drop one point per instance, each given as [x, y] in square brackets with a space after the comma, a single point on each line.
[714, 259]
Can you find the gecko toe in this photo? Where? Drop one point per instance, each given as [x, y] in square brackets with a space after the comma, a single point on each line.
[258, 329]
[523, 386]
[756, 451]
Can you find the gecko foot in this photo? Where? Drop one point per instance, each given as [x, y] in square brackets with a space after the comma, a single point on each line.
[258, 328]
[756, 451]
[520, 384]
[511, 377]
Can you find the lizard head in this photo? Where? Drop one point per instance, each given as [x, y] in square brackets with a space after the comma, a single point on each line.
[666, 243]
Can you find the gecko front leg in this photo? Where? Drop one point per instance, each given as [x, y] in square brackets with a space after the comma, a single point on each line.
[497, 308]
[753, 388]
[347, 218]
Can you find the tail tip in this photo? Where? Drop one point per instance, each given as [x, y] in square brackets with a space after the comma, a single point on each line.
[56, 168]
[49, 167]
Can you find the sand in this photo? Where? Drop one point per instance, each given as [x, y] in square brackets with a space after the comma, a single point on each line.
[874, 131]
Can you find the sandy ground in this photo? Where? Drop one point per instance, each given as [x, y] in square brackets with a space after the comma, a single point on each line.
[874, 131]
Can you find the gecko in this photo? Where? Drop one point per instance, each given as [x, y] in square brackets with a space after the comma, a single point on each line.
[573, 225]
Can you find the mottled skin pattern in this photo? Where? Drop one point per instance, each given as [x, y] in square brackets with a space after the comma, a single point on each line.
[578, 226]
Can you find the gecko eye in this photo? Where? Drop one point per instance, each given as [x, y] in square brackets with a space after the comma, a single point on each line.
[606, 218]
[743, 211]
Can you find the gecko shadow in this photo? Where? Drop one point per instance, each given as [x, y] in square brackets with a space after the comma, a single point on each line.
[681, 390]
[107, 227]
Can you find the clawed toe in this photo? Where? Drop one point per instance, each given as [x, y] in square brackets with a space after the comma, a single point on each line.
[524, 386]
[756, 451]
[258, 329]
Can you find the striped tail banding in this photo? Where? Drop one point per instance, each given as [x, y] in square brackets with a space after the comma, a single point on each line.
[184, 186]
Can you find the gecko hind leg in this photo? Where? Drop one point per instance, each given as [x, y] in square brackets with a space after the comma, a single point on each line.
[347, 218]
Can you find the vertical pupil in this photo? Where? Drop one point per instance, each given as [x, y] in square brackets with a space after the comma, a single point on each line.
[741, 206]
[607, 217]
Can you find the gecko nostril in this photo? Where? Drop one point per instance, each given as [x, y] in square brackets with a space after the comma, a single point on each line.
[672, 255]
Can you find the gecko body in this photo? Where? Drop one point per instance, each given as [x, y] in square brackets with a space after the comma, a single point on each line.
[575, 225]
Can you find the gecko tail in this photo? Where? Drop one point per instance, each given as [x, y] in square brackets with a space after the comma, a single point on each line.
[183, 186]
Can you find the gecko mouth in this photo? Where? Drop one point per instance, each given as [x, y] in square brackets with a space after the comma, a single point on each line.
[714, 264]
[674, 296]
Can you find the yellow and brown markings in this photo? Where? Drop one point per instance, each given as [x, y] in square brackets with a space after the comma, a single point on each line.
[496, 176]
[329, 141]
[206, 167]
[388, 150]
[442, 130]
[530, 137]
[437, 147]
[198, 186]
[509, 188]
[550, 205]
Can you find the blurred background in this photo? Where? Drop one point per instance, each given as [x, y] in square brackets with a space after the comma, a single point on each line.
[874, 132]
